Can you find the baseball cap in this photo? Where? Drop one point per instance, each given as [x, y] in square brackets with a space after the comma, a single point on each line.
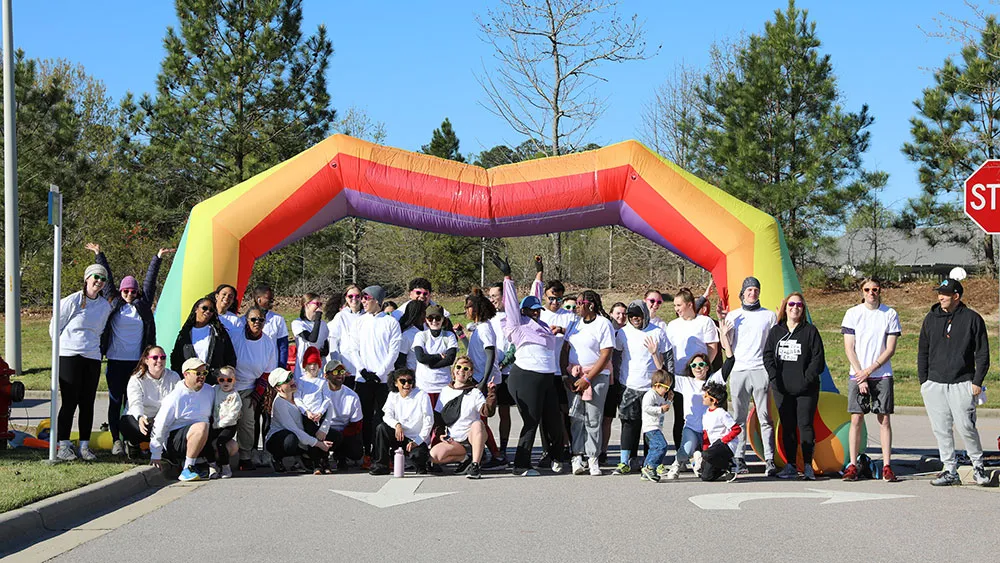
[331, 365]
[530, 302]
[191, 364]
[949, 287]
[434, 311]
[279, 376]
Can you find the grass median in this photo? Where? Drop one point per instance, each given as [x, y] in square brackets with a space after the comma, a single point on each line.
[24, 478]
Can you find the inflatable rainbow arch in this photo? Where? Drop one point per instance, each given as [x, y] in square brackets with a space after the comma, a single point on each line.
[624, 184]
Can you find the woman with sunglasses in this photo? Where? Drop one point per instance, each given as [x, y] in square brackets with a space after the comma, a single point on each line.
[203, 336]
[129, 331]
[287, 441]
[464, 408]
[257, 358]
[310, 330]
[654, 300]
[340, 329]
[590, 342]
[435, 349]
[691, 389]
[794, 359]
[150, 383]
[410, 325]
[83, 317]
[406, 423]
[227, 309]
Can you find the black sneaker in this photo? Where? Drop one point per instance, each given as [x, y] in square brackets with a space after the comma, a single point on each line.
[432, 468]
[247, 465]
[474, 472]
[379, 470]
[341, 465]
[603, 458]
[495, 464]
[464, 464]
[545, 460]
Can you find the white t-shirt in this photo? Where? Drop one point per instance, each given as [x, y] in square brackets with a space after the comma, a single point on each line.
[561, 318]
[471, 403]
[433, 380]
[586, 340]
[534, 357]
[126, 334]
[871, 328]
[502, 343]
[716, 424]
[689, 338]
[200, 339]
[301, 344]
[482, 338]
[232, 322]
[749, 335]
[275, 327]
[406, 346]
[346, 407]
[637, 363]
[253, 358]
[657, 322]
[692, 390]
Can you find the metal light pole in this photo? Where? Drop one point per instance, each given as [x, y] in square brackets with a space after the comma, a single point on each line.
[12, 257]
[55, 219]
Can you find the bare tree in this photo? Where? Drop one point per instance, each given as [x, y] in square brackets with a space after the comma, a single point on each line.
[548, 53]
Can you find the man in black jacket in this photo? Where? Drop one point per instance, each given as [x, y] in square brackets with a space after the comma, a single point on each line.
[952, 360]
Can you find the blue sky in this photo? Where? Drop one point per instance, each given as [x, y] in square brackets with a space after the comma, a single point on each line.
[411, 64]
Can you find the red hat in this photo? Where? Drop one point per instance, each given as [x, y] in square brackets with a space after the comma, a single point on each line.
[311, 356]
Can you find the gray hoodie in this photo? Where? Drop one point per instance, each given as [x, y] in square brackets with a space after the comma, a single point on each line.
[641, 305]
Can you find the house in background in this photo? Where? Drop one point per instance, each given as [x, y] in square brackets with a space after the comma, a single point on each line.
[910, 255]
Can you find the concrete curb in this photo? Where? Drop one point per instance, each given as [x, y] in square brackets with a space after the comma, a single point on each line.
[29, 394]
[63, 511]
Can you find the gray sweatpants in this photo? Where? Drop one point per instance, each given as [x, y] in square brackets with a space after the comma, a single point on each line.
[952, 404]
[586, 418]
[746, 385]
[245, 426]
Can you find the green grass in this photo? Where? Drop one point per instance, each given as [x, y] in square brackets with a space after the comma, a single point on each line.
[24, 478]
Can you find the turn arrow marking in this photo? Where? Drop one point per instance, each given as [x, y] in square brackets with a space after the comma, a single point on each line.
[732, 501]
[393, 493]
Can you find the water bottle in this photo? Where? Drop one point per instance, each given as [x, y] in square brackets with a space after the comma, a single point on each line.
[398, 463]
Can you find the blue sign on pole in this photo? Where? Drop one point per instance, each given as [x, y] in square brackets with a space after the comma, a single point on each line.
[55, 207]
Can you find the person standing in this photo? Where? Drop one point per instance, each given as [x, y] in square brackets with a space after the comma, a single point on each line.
[420, 290]
[227, 309]
[376, 344]
[310, 330]
[258, 357]
[435, 349]
[794, 360]
[558, 318]
[340, 330]
[274, 327]
[743, 337]
[504, 399]
[953, 357]
[203, 336]
[870, 331]
[83, 317]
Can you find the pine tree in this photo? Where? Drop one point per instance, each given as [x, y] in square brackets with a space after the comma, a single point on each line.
[444, 143]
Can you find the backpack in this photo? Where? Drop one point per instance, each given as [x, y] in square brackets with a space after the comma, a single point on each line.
[866, 467]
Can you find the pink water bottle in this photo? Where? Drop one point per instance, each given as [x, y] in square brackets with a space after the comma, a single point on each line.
[398, 463]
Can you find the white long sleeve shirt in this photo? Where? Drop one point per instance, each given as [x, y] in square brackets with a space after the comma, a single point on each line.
[80, 328]
[652, 415]
[310, 396]
[286, 416]
[182, 407]
[345, 407]
[377, 339]
[301, 344]
[341, 344]
[413, 412]
[146, 395]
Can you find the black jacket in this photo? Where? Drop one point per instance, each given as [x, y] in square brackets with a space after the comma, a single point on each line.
[144, 304]
[220, 351]
[953, 347]
[794, 360]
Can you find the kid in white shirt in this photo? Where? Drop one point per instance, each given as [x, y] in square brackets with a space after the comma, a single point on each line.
[311, 399]
[720, 432]
[225, 415]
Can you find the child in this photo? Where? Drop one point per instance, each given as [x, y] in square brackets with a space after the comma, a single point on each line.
[694, 409]
[310, 398]
[225, 415]
[655, 402]
[720, 431]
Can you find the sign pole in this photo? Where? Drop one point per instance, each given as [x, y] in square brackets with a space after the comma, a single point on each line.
[55, 219]
[12, 239]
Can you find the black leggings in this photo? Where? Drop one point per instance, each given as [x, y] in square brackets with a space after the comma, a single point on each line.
[284, 443]
[678, 407]
[78, 379]
[117, 377]
[386, 444]
[797, 411]
[536, 401]
[372, 395]
[630, 435]
[217, 440]
[131, 432]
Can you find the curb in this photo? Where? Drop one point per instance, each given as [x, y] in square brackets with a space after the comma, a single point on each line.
[29, 394]
[63, 511]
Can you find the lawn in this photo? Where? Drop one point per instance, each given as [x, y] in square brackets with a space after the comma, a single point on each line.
[25, 479]
[911, 300]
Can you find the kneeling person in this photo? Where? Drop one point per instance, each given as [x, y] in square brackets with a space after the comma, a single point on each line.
[287, 437]
[345, 415]
[181, 426]
[310, 398]
[463, 409]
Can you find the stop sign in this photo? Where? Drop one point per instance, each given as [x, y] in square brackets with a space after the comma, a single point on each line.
[982, 203]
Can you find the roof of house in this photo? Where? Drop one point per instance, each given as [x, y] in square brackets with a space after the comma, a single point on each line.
[894, 245]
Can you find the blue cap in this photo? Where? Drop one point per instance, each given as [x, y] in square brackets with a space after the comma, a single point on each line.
[530, 302]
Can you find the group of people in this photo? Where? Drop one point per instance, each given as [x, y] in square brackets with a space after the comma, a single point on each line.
[373, 380]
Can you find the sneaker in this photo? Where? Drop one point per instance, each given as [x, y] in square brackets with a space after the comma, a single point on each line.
[947, 478]
[545, 459]
[887, 474]
[227, 472]
[118, 448]
[584, 462]
[66, 452]
[366, 463]
[495, 464]
[662, 470]
[595, 470]
[247, 465]
[808, 473]
[622, 469]
[649, 474]
[788, 472]
[603, 458]
[730, 476]
[696, 463]
[473, 472]
[577, 464]
[203, 471]
[851, 473]
[464, 464]
[769, 469]
[213, 472]
[674, 472]
[189, 474]
[978, 474]
[87, 455]
[379, 470]
[557, 466]
[740, 466]
[526, 472]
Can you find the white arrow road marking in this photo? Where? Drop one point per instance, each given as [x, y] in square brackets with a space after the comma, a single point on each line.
[393, 493]
[732, 501]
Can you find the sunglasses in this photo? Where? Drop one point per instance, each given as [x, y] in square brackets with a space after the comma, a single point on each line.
[569, 307]
[201, 373]
[226, 379]
[128, 291]
[285, 382]
[206, 309]
[434, 318]
[338, 371]
[256, 319]
[366, 297]
[655, 301]
[157, 357]
[660, 385]
[554, 299]
[463, 369]
[871, 290]
[99, 277]
[316, 303]
[353, 296]
[699, 365]
[796, 304]
[421, 292]
[404, 381]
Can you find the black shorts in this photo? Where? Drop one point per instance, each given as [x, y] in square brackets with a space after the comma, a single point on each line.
[882, 396]
[503, 394]
[614, 398]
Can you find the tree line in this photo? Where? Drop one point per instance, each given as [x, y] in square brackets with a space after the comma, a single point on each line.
[242, 87]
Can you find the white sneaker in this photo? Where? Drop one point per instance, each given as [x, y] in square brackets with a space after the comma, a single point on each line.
[213, 472]
[595, 469]
[65, 452]
[87, 455]
[696, 463]
[577, 465]
[118, 448]
[557, 466]
[227, 471]
[674, 472]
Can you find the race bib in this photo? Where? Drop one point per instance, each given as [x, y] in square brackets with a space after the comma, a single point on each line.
[789, 350]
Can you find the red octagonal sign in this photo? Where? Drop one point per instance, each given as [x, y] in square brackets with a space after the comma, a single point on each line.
[982, 202]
